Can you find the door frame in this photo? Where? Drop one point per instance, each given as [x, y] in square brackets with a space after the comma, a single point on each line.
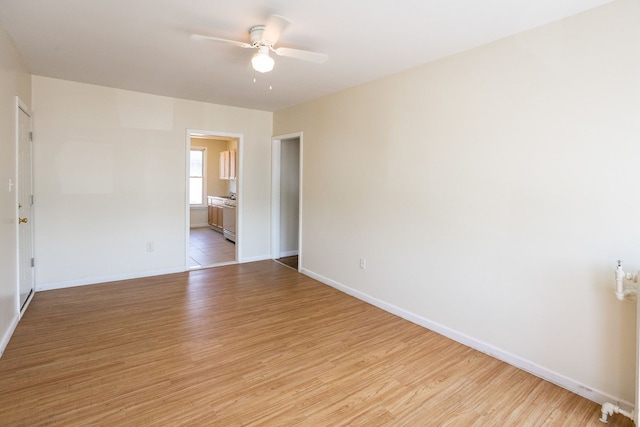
[21, 308]
[276, 170]
[239, 192]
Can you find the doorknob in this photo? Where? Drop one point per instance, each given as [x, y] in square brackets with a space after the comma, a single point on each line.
[22, 220]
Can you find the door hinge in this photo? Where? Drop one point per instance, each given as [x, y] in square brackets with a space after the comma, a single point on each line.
[31, 199]
[31, 136]
[33, 262]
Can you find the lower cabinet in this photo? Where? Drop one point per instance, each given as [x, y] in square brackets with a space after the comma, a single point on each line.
[215, 217]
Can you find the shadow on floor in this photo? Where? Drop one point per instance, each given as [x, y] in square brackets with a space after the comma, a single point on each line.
[289, 261]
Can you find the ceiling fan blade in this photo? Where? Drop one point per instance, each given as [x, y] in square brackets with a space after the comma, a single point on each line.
[305, 55]
[274, 28]
[217, 39]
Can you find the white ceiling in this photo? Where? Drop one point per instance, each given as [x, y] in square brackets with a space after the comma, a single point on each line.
[144, 45]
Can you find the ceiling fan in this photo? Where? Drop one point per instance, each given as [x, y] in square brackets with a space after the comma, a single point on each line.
[263, 38]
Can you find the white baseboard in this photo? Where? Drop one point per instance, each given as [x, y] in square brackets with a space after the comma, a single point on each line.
[105, 279]
[8, 333]
[254, 259]
[26, 304]
[114, 278]
[202, 225]
[513, 360]
[288, 253]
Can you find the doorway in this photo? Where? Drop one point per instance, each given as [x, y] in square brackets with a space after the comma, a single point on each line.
[213, 181]
[24, 190]
[286, 200]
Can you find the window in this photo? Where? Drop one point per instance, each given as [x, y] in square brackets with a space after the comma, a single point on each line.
[197, 176]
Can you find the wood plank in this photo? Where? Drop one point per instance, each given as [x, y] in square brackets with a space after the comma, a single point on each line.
[255, 344]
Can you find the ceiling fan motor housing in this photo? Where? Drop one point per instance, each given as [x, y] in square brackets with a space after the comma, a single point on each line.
[255, 33]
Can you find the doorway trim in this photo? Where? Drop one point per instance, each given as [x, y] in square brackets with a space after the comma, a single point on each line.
[239, 191]
[276, 169]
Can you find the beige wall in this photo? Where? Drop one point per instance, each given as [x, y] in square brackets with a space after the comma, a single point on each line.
[110, 176]
[491, 194]
[14, 81]
[215, 185]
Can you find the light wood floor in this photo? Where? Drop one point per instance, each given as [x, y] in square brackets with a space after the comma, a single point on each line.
[255, 344]
[289, 261]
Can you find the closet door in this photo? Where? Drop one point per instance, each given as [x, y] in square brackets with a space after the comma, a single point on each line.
[25, 205]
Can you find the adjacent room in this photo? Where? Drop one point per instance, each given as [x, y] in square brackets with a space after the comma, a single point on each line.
[338, 213]
[213, 165]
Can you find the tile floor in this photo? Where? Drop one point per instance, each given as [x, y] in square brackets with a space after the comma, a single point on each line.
[209, 247]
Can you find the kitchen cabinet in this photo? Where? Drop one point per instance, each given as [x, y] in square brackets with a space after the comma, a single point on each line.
[215, 217]
[228, 164]
[224, 165]
[233, 164]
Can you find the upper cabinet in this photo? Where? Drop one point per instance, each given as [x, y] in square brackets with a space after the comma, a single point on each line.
[228, 164]
[224, 165]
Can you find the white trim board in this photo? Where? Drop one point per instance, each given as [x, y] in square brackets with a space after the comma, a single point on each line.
[254, 259]
[105, 279]
[513, 360]
[288, 253]
[200, 225]
[8, 334]
[118, 277]
[27, 303]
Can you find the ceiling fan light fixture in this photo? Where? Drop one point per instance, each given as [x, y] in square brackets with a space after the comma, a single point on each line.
[262, 62]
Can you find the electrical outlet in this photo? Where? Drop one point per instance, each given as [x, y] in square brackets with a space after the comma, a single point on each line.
[150, 246]
[363, 263]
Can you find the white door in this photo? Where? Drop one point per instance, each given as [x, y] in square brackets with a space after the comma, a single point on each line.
[25, 205]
